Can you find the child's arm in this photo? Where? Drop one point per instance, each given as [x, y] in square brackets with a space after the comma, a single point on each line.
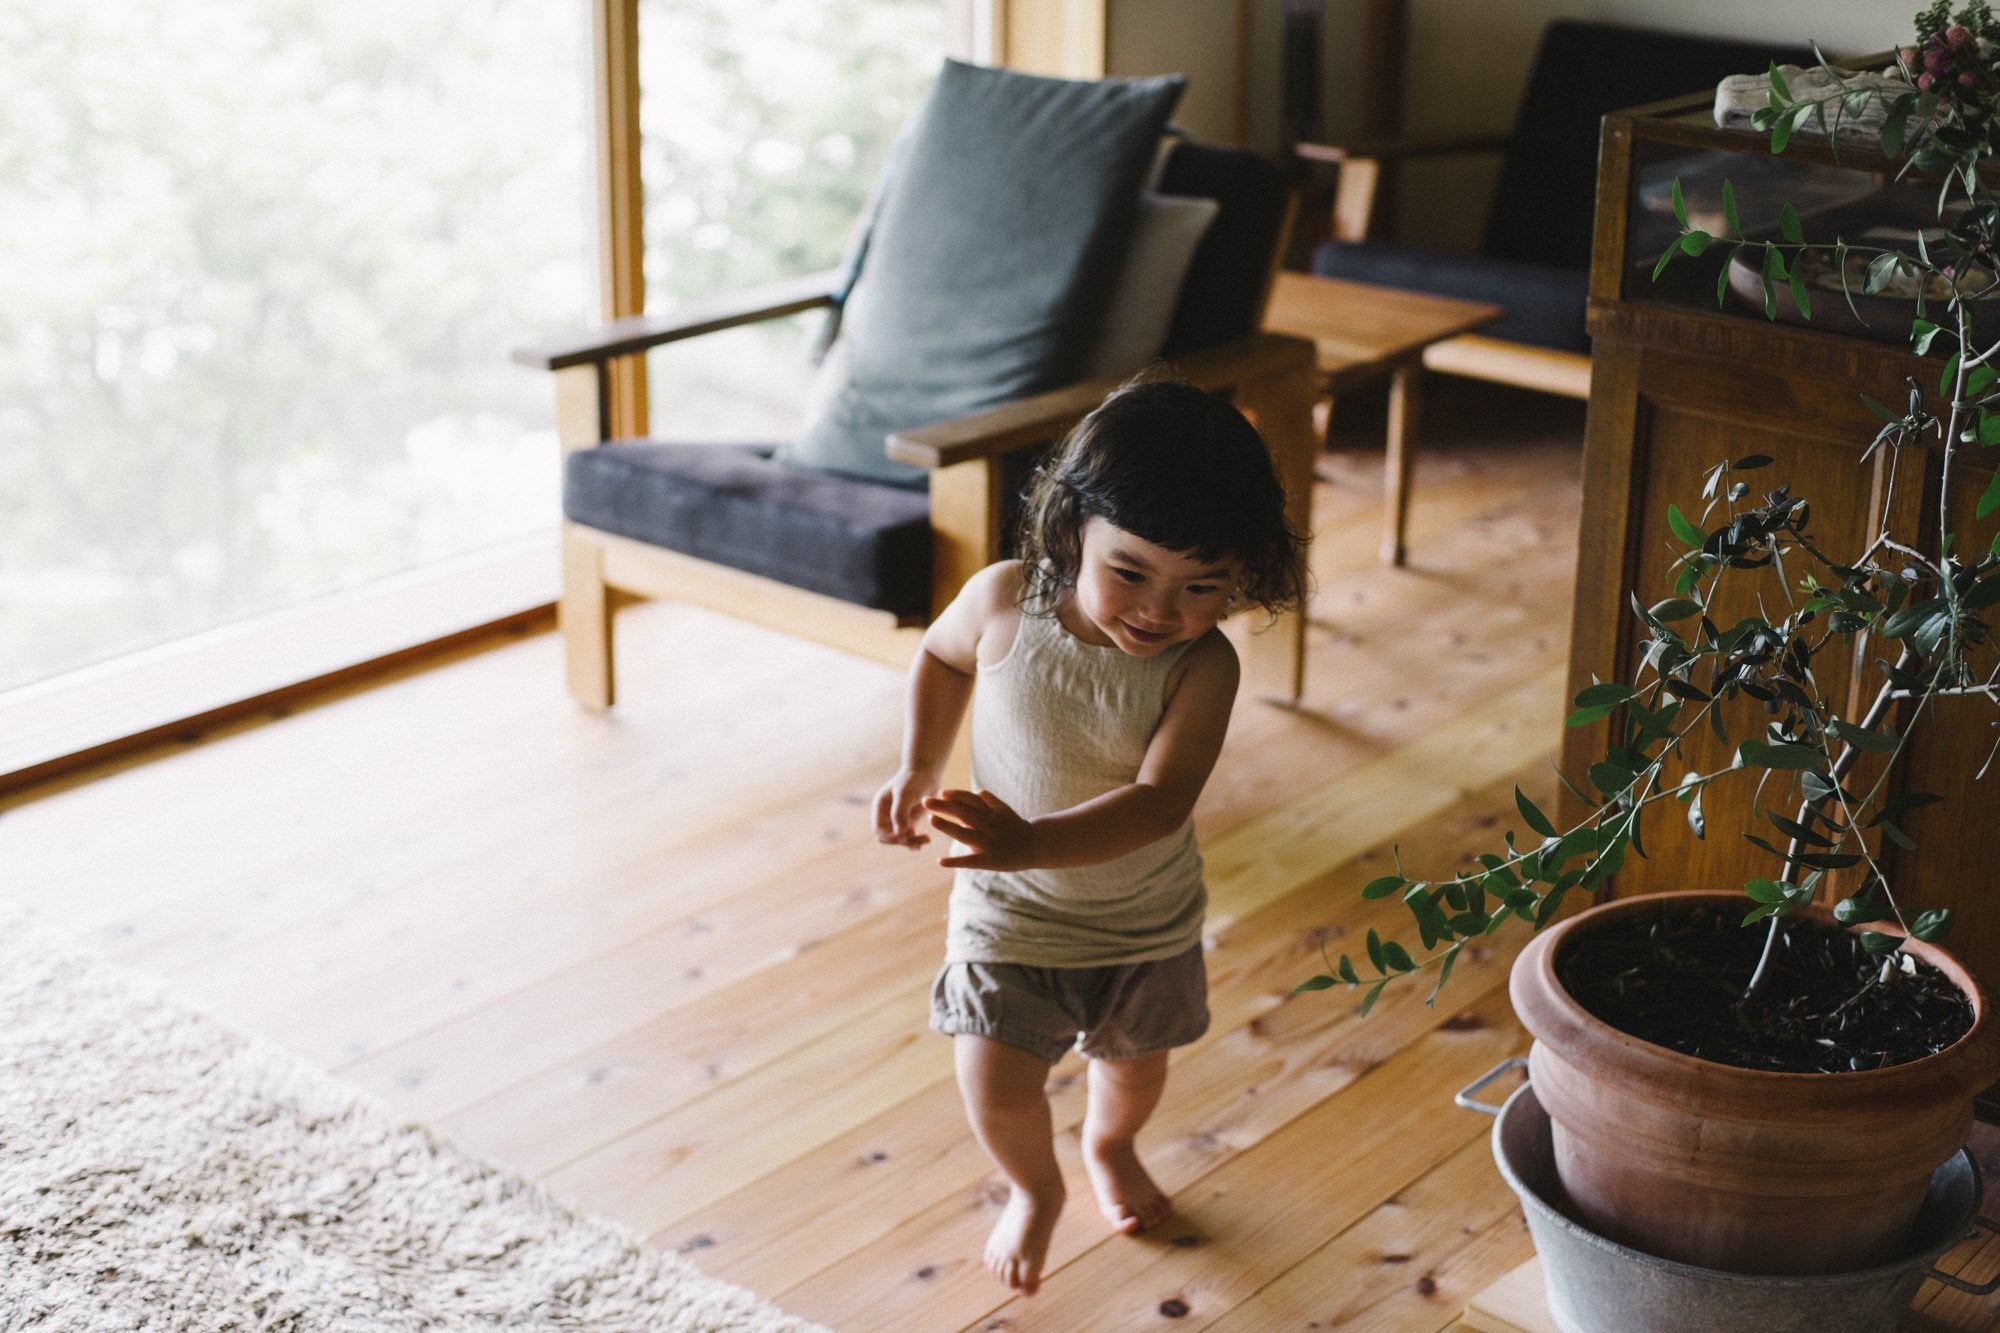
[1155, 803]
[940, 687]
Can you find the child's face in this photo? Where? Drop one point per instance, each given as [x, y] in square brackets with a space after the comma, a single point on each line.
[1141, 598]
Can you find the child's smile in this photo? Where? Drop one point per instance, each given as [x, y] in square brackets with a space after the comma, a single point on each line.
[1141, 598]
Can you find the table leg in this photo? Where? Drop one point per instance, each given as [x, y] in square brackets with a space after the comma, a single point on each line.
[1403, 398]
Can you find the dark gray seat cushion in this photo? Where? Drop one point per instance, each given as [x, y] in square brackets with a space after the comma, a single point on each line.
[863, 542]
[988, 258]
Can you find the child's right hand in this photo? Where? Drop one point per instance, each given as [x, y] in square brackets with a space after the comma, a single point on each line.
[899, 809]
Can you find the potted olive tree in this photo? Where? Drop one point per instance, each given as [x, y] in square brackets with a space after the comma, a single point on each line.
[1749, 1080]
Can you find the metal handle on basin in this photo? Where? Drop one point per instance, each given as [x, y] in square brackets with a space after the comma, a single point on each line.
[1465, 1096]
[1986, 1288]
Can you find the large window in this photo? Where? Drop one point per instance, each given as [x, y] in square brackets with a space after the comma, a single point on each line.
[262, 263]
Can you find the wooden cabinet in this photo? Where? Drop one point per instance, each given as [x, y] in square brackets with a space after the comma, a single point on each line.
[1679, 383]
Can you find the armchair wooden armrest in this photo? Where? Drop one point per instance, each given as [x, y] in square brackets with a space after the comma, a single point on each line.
[624, 337]
[1446, 145]
[1355, 196]
[1029, 421]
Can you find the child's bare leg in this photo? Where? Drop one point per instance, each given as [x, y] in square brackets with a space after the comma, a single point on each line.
[1123, 1094]
[1006, 1098]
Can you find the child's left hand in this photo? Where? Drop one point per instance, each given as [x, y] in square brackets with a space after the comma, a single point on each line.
[998, 838]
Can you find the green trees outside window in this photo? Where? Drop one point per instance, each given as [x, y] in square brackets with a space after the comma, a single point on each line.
[262, 263]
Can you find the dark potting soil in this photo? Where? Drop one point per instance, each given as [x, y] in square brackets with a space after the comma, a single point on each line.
[1677, 979]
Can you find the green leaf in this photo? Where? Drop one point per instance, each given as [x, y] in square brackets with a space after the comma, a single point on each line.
[1789, 757]
[1532, 813]
[1779, 90]
[1881, 272]
[1674, 608]
[1680, 205]
[1990, 500]
[1729, 217]
[1606, 692]
[1320, 982]
[1695, 242]
[1383, 887]
[1347, 972]
[1374, 994]
[1859, 908]
[1611, 778]
[1893, 130]
[1793, 829]
[1932, 926]
[1583, 717]
[1774, 272]
[1988, 432]
[1444, 969]
[1801, 298]
[1551, 901]
[1827, 860]
[1922, 333]
[1750, 463]
[1375, 950]
[1684, 528]
[1397, 957]
[1896, 835]
[1873, 742]
[1788, 225]
[1908, 801]
[1875, 942]
[1766, 891]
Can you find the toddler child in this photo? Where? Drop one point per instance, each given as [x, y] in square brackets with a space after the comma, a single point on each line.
[1104, 688]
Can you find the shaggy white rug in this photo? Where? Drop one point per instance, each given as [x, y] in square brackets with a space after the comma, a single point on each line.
[160, 1172]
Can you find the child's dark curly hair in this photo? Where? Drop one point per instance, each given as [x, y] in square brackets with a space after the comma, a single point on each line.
[1176, 466]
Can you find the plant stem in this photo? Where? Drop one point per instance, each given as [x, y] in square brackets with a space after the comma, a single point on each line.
[1837, 770]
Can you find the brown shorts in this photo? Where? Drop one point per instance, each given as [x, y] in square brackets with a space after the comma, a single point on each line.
[1113, 1012]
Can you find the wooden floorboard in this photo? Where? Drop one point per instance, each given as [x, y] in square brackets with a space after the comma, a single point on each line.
[655, 960]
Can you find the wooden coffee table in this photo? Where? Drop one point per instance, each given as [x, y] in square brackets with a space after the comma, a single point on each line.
[1364, 332]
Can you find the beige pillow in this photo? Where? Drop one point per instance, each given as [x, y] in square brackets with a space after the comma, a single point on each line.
[1141, 302]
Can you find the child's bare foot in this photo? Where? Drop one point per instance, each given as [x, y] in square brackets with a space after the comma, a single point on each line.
[1019, 1242]
[1129, 1199]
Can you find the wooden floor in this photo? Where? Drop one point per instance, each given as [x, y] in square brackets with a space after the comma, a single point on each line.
[656, 960]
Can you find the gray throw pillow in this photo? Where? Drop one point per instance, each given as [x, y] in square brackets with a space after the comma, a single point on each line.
[988, 261]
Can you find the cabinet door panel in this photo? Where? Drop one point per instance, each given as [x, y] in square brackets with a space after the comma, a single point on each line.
[1680, 438]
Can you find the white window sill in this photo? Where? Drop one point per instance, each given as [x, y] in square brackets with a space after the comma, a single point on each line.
[52, 726]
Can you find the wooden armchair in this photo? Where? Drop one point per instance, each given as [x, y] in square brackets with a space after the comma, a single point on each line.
[863, 563]
[1534, 258]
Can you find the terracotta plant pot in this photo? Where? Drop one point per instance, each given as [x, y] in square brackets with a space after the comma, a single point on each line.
[1737, 1169]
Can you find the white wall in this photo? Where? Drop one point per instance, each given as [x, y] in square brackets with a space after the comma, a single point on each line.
[1192, 37]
